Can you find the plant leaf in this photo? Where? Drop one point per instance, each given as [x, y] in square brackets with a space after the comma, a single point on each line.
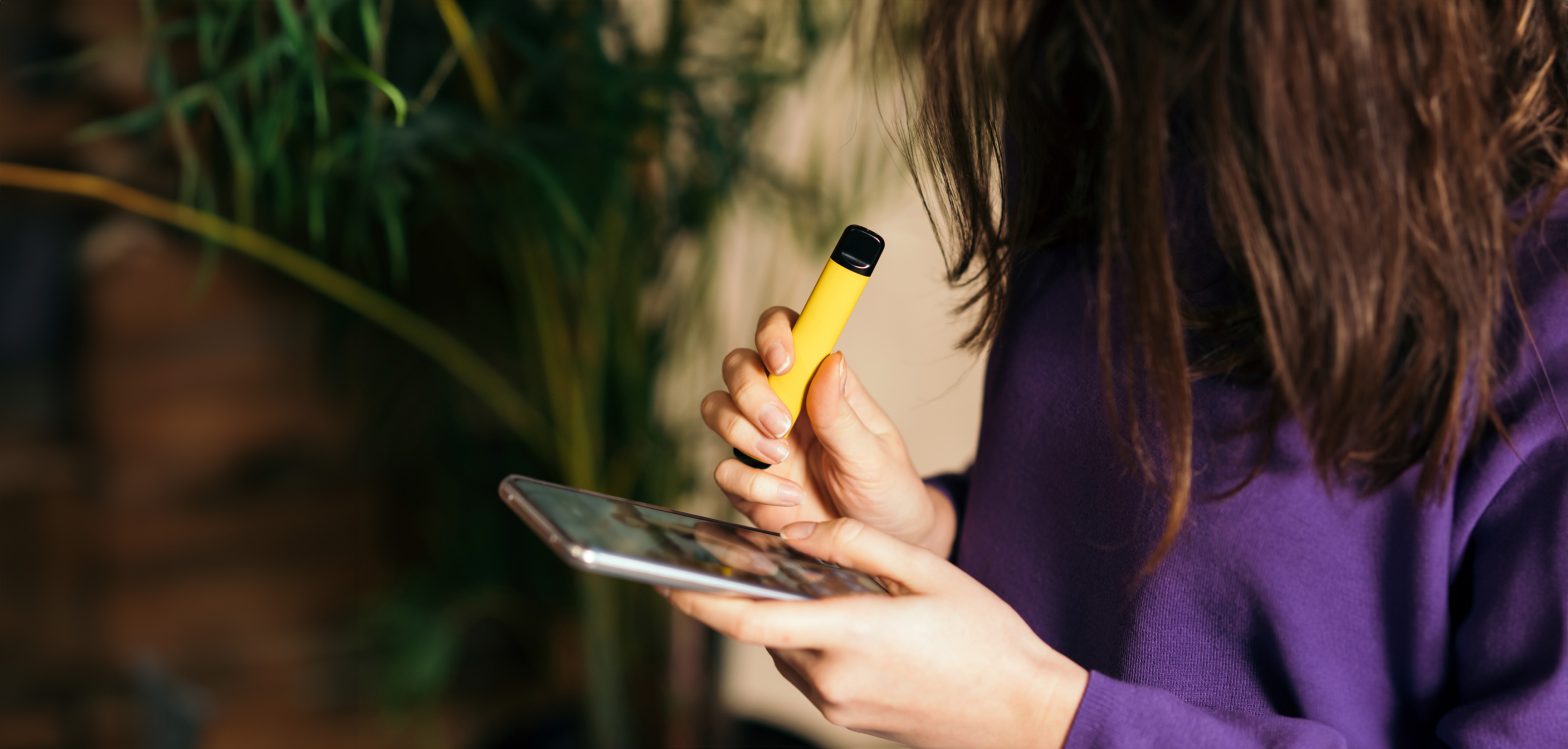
[389, 205]
[363, 72]
[240, 162]
[184, 99]
[370, 25]
[292, 25]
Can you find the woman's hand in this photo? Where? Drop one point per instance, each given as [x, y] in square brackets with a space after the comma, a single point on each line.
[942, 663]
[845, 458]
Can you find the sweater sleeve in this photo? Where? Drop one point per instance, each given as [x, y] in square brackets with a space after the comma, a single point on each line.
[954, 485]
[1118, 715]
[1510, 579]
[1508, 588]
[1510, 640]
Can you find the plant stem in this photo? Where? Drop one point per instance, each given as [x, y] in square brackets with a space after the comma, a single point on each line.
[451, 354]
[608, 714]
[468, 48]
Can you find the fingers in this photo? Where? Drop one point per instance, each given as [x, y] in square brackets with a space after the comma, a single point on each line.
[771, 624]
[850, 543]
[754, 485]
[774, 341]
[747, 382]
[722, 416]
[834, 422]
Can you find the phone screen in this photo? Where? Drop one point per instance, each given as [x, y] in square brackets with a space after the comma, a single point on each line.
[715, 548]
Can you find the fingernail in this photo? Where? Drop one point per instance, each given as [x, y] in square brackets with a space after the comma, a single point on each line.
[798, 531]
[778, 359]
[843, 375]
[661, 590]
[774, 450]
[775, 419]
[788, 494]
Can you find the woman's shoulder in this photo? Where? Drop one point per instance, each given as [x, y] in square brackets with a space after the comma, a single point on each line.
[1530, 390]
[1535, 321]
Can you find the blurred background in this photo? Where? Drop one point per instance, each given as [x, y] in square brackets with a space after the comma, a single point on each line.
[305, 278]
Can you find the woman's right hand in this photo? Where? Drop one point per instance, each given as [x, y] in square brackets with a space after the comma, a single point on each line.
[844, 458]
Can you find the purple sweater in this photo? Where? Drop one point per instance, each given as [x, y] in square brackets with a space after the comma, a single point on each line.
[1293, 613]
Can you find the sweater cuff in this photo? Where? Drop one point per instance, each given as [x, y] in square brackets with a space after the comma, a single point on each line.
[952, 486]
[1096, 714]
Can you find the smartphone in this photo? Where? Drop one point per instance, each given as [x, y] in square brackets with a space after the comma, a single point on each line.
[650, 544]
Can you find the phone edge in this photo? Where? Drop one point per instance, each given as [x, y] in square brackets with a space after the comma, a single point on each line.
[586, 559]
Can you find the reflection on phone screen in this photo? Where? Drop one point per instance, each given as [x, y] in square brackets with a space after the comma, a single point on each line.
[691, 543]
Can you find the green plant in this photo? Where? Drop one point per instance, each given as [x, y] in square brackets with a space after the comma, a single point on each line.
[532, 176]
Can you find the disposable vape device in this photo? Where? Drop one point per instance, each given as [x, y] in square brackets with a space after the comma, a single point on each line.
[822, 319]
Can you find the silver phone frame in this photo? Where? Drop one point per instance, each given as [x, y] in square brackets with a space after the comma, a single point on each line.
[600, 561]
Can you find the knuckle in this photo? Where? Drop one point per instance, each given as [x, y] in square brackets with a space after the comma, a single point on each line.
[734, 425]
[750, 630]
[847, 530]
[711, 404]
[774, 327]
[843, 534]
[734, 359]
[751, 390]
[753, 484]
[722, 472]
[835, 714]
[832, 687]
[775, 314]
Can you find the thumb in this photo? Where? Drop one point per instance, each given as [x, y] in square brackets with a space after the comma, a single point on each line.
[848, 542]
[835, 423]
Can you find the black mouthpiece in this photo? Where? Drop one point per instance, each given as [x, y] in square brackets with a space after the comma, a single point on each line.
[858, 249]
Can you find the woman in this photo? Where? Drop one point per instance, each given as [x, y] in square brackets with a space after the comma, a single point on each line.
[1271, 454]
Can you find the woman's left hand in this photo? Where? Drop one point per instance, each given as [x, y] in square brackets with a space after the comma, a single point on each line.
[942, 662]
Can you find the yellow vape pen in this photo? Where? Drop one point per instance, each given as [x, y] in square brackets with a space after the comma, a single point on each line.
[822, 319]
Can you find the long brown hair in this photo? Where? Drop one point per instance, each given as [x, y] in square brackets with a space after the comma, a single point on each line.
[1360, 161]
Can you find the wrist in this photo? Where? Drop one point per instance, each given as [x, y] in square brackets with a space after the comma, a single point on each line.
[1055, 688]
[942, 523]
